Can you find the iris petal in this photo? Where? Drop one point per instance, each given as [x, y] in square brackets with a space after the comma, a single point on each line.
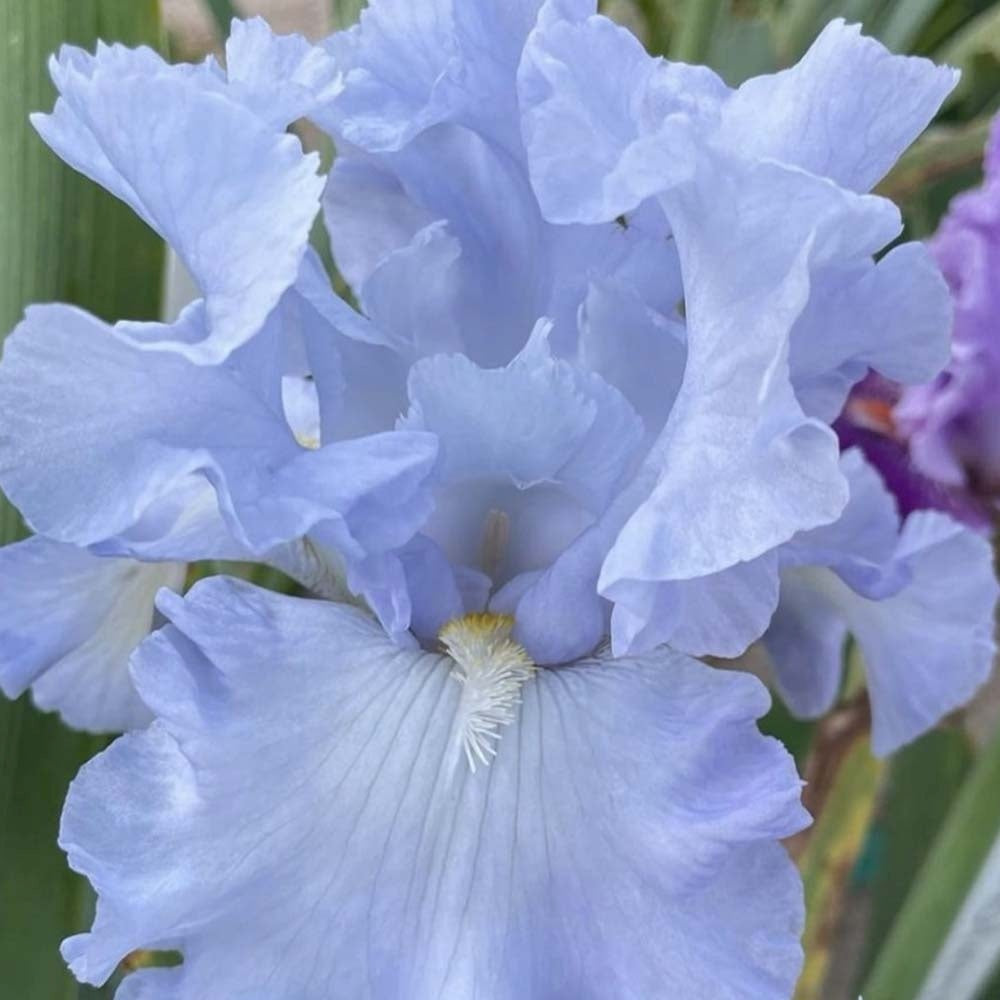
[597, 855]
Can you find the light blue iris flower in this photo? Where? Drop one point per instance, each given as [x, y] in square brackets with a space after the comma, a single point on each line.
[575, 434]
[918, 598]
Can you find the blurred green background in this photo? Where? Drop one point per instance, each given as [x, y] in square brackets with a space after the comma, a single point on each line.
[898, 847]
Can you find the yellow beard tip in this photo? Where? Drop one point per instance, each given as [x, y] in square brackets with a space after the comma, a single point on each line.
[492, 668]
[477, 625]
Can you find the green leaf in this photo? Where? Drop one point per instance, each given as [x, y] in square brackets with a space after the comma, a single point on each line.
[742, 47]
[795, 734]
[223, 14]
[66, 240]
[904, 23]
[870, 13]
[992, 988]
[658, 24]
[950, 18]
[41, 901]
[693, 38]
[971, 949]
[945, 879]
[908, 820]
[975, 49]
[945, 160]
[797, 23]
[345, 12]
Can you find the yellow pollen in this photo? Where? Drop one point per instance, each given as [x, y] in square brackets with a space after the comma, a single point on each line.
[491, 667]
[310, 441]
